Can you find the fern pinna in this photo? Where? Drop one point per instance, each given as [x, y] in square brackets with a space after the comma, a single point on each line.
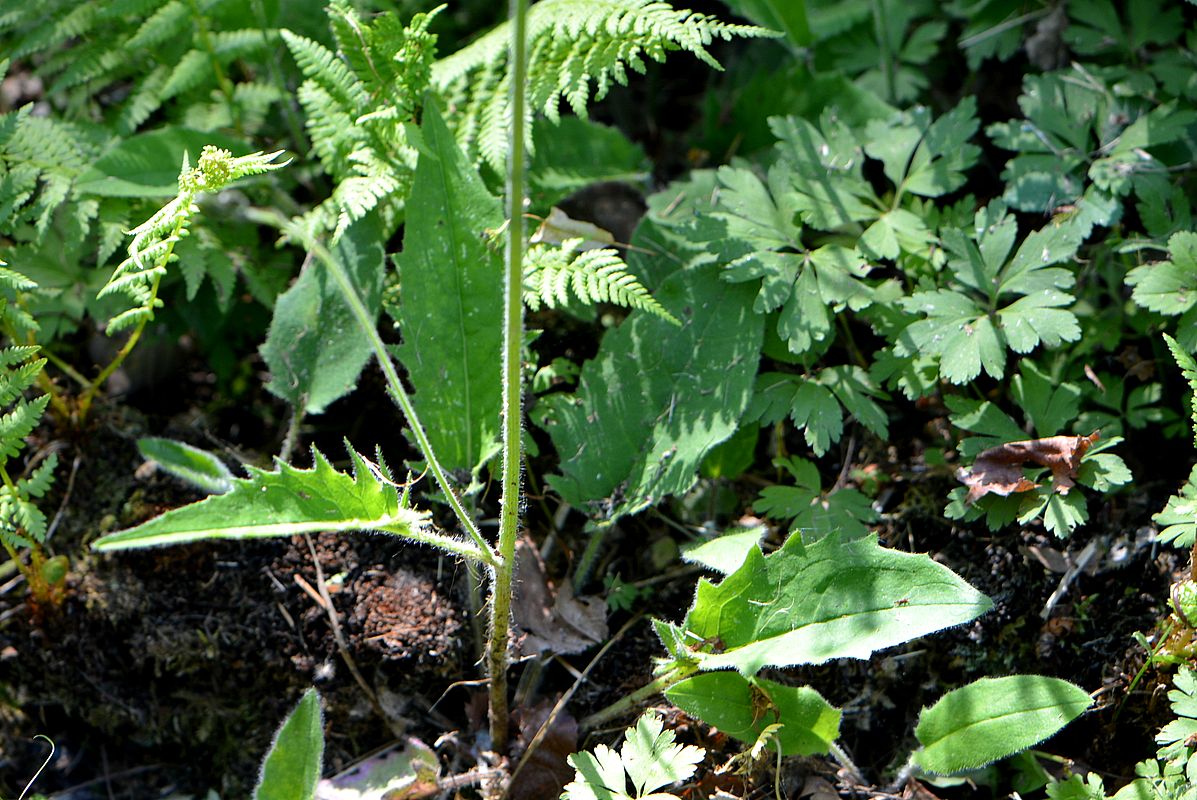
[551, 273]
[22, 524]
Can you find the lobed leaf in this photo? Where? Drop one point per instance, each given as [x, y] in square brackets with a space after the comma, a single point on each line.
[284, 502]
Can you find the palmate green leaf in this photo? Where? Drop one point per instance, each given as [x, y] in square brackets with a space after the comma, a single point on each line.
[657, 397]
[822, 166]
[284, 502]
[1178, 519]
[809, 510]
[922, 156]
[809, 287]
[450, 308]
[998, 302]
[649, 756]
[1170, 287]
[993, 718]
[814, 403]
[744, 707]
[1048, 403]
[1175, 737]
[315, 349]
[807, 604]
[292, 766]
[1188, 368]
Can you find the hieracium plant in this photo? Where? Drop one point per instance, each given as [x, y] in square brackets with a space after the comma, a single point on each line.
[460, 309]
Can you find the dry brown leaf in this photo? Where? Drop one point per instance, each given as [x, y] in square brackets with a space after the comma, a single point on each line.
[552, 622]
[998, 470]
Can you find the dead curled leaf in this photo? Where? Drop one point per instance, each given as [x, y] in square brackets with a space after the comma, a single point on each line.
[998, 470]
[552, 621]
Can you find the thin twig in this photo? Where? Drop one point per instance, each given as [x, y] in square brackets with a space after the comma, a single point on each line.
[335, 622]
[66, 498]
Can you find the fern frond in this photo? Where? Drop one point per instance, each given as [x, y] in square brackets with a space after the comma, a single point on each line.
[58, 29]
[321, 66]
[13, 382]
[243, 42]
[577, 50]
[29, 519]
[357, 102]
[153, 244]
[146, 98]
[552, 273]
[190, 72]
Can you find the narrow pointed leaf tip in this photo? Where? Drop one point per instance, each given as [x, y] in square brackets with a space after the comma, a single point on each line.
[292, 767]
[285, 502]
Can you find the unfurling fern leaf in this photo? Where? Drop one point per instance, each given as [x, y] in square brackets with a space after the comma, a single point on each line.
[154, 240]
[571, 43]
[358, 101]
[593, 276]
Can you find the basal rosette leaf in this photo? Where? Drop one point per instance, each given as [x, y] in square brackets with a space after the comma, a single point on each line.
[284, 502]
[315, 349]
[743, 707]
[994, 718]
[807, 604]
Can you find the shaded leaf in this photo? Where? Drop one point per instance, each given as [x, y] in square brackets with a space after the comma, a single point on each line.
[744, 707]
[196, 466]
[315, 348]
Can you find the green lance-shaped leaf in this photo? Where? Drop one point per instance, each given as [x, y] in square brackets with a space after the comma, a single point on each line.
[744, 707]
[197, 467]
[283, 503]
[657, 397]
[807, 604]
[450, 307]
[315, 348]
[292, 766]
[994, 718]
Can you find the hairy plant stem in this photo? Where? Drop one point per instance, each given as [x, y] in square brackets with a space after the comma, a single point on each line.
[513, 334]
[399, 395]
[629, 702]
